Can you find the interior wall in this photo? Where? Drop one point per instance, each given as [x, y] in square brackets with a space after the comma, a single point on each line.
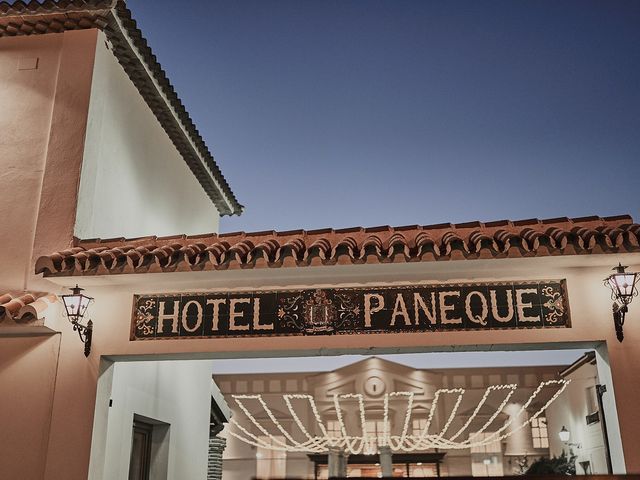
[27, 375]
[587, 440]
[177, 393]
[28, 74]
[134, 182]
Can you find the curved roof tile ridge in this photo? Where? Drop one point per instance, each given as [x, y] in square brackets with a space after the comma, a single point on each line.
[141, 65]
[24, 307]
[272, 249]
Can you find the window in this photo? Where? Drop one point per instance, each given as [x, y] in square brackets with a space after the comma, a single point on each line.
[375, 428]
[539, 432]
[333, 429]
[418, 425]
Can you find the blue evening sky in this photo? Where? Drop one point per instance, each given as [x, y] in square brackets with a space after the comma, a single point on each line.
[340, 113]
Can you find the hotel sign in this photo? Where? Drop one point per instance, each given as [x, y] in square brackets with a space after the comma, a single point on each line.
[340, 311]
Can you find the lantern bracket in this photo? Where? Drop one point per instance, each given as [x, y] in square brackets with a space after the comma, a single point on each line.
[85, 332]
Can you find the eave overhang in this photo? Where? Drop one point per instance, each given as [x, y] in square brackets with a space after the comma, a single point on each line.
[587, 236]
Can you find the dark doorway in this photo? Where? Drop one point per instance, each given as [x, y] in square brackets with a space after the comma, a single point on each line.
[140, 462]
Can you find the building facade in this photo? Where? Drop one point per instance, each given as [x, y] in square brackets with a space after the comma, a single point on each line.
[101, 162]
[374, 377]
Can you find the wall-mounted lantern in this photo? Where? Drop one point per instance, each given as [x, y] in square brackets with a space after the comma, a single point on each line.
[623, 289]
[75, 305]
[565, 435]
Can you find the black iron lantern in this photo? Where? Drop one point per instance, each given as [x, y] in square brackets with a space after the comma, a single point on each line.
[623, 289]
[75, 306]
[564, 434]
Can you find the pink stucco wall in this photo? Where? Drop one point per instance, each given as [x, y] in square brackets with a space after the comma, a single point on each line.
[27, 98]
[45, 82]
[27, 375]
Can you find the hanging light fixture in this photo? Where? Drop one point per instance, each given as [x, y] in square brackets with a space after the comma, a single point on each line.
[75, 305]
[623, 289]
[564, 434]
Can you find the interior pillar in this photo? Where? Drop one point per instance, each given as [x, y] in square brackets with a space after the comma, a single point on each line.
[386, 461]
[337, 463]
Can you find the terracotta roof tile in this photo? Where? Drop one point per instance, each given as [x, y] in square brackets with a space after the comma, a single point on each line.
[24, 308]
[299, 248]
[134, 54]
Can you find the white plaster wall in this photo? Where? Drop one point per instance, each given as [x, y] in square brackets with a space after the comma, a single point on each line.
[571, 413]
[133, 182]
[173, 392]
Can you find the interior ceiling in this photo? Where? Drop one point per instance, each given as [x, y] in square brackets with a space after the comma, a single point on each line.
[436, 360]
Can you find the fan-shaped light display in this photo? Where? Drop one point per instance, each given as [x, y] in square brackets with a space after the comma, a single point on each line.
[364, 442]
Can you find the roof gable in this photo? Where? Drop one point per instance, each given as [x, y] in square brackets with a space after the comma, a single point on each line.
[134, 54]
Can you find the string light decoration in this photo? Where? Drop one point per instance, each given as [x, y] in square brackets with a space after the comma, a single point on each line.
[367, 443]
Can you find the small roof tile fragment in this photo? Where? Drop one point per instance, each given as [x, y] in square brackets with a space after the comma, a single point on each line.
[299, 248]
[25, 307]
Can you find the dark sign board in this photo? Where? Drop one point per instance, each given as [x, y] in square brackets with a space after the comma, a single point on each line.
[337, 311]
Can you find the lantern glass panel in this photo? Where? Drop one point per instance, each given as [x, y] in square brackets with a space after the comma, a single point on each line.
[625, 283]
[84, 303]
[72, 304]
[623, 286]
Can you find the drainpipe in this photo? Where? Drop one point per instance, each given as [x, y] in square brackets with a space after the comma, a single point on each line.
[600, 390]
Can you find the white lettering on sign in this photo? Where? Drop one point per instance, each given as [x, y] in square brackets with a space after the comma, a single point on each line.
[444, 308]
[185, 312]
[256, 317]
[368, 310]
[234, 315]
[479, 319]
[216, 302]
[521, 305]
[494, 307]
[400, 310]
[419, 304]
[162, 316]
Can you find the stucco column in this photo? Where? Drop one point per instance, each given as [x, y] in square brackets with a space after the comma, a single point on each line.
[337, 463]
[386, 461]
[617, 370]
[519, 442]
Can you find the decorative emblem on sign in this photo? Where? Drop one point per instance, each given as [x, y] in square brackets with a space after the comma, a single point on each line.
[289, 312]
[144, 318]
[554, 304]
[348, 309]
[319, 313]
